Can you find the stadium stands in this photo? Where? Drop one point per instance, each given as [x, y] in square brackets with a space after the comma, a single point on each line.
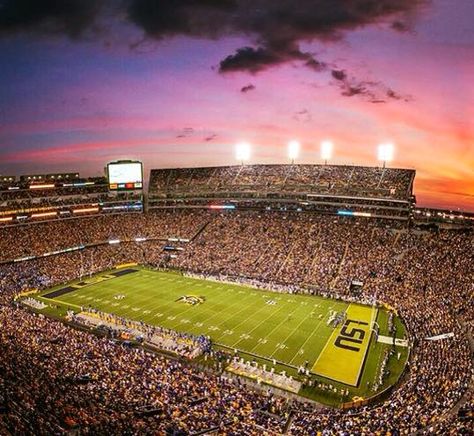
[320, 179]
[57, 379]
[42, 238]
[380, 192]
[61, 196]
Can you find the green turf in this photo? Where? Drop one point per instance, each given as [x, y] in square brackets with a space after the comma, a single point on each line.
[290, 329]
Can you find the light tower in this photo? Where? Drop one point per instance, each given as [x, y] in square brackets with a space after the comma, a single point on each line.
[385, 153]
[326, 151]
[242, 152]
[293, 150]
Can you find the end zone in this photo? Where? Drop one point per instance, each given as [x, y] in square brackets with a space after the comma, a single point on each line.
[343, 356]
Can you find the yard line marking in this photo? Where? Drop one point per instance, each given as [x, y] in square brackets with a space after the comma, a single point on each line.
[228, 308]
[288, 337]
[165, 291]
[193, 283]
[60, 301]
[328, 341]
[277, 326]
[309, 336]
[245, 320]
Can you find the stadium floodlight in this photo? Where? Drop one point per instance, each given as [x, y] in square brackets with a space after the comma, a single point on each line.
[242, 152]
[326, 151]
[293, 150]
[385, 153]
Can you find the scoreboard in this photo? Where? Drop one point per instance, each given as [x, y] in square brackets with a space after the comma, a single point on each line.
[125, 175]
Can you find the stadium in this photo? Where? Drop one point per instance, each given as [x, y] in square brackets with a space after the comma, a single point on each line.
[289, 299]
[236, 218]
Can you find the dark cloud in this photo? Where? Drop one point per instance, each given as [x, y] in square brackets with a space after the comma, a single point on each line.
[372, 91]
[276, 27]
[185, 132]
[400, 26]
[69, 17]
[247, 88]
[349, 90]
[351, 86]
[303, 115]
[210, 137]
[161, 18]
[339, 75]
[249, 59]
[257, 59]
[392, 94]
[315, 65]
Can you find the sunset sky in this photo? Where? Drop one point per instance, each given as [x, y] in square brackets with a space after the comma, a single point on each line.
[178, 83]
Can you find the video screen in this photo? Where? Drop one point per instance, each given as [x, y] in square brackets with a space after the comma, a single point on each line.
[125, 175]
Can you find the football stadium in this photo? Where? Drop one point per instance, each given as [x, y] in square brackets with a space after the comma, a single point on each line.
[248, 299]
[236, 218]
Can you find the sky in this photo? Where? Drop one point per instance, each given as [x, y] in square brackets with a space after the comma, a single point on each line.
[179, 82]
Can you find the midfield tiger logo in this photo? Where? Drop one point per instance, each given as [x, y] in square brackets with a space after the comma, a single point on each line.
[192, 300]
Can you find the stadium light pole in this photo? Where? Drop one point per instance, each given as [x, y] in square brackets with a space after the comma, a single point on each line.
[293, 150]
[385, 153]
[242, 152]
[326, 151]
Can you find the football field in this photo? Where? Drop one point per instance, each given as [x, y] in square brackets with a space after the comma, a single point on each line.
[290, 329]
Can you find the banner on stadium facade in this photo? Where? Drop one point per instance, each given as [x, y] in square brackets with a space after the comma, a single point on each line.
[440, 337]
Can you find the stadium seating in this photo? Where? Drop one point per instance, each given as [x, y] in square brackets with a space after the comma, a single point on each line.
[57, 379]
[336, 180]
[377, 192]
[52, 198]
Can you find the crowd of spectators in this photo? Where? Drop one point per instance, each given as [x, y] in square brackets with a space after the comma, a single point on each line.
[24, 203]
[45, 237]
[57, 379]
[27, 203]
[320, 179]
[427, 277]
[25, 190]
